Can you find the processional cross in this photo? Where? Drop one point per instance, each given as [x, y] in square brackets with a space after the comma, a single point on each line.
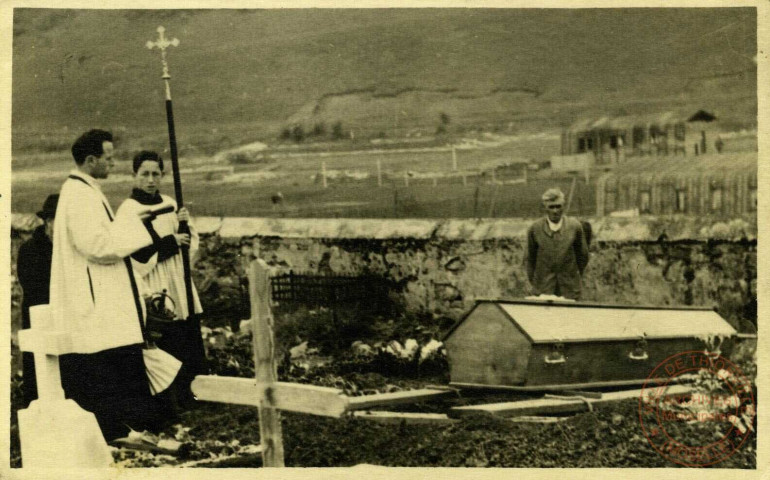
[162, 43]
[264, 391]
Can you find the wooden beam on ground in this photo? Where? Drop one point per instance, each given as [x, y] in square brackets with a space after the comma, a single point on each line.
[533, 419]
[409, 396]
[550, 406]
[397, 418]
[550, 388]
[578, 393]
[292, 397]
[300, 398]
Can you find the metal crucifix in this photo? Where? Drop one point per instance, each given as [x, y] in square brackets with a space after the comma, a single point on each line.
[162, 43]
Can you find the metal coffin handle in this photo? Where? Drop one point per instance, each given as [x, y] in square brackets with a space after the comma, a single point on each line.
[640, 351]
[556, 355]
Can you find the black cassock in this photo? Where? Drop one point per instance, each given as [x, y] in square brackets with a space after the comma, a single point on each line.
[33, 269]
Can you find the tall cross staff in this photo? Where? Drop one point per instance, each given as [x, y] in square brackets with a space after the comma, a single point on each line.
[162, 43]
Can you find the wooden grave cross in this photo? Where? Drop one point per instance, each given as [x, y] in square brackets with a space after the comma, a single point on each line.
[271, 396]
[264, 391]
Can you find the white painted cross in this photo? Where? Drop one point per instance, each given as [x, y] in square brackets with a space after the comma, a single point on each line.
[55, 432]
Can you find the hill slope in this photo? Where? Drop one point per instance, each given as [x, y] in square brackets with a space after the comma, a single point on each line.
[77, 68]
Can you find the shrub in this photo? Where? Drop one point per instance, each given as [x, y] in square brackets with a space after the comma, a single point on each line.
[319, 129]
[239, 158]
[337, 132]
[298, 133]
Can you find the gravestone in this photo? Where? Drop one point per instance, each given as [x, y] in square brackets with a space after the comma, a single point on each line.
[54, 431]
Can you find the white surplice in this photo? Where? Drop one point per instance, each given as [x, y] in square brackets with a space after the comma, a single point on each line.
[91, 294]
[169, 274]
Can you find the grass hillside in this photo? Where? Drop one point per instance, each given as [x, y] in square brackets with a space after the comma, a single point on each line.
[253, 72]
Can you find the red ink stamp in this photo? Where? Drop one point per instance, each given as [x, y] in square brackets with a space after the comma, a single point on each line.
[702, 422]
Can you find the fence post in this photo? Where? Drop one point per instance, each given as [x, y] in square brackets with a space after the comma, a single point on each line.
[292, 281]
[270, 433]
[494, 199]
[323, 173]
[395, 200]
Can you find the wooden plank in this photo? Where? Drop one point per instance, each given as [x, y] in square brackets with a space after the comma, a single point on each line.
[535, 419]
[409, 396]
[292, 397]
[548, 388]
[397, 418]
[579, 393]
[560, 387]
[545, 406]
[270, 433]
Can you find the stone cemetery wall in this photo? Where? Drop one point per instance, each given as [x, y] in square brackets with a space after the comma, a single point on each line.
[442, 266]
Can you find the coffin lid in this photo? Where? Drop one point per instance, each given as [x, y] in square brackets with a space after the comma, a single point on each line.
[548, 322]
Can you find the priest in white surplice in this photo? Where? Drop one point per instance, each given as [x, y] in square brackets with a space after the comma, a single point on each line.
[95, 296]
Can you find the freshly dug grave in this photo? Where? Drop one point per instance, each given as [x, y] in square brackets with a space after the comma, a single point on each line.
[608, 437]
[611, 436]
[217, 435]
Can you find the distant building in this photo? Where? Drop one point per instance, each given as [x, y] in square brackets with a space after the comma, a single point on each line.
[715, 185]
[612, 140]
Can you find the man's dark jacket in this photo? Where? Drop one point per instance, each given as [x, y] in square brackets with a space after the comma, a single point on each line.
[33, 269]
[556, 260]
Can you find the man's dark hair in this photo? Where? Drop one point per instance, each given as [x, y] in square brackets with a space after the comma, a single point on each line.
[145, 155]
[90, 143]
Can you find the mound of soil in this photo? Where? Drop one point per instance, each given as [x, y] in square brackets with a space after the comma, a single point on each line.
[609, 437]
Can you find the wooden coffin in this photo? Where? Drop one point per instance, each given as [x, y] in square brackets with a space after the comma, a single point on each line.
[546, 345]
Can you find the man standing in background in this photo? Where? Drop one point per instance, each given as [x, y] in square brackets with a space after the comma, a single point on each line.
[33, 269]
[557, 250]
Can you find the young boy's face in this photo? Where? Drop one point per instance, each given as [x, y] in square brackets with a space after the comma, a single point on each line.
[148, 176]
